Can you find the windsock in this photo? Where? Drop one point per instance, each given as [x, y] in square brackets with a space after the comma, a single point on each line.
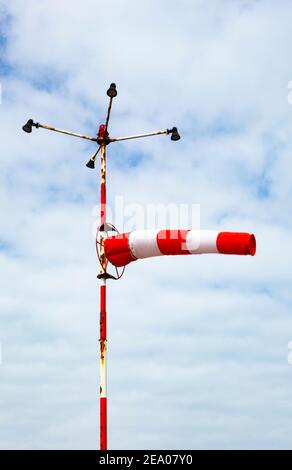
[122, 249]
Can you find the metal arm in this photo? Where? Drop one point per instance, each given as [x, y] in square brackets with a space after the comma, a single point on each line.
[174, 135]
[139, 136]
[74, 134]
[28, 128]
[108, 113]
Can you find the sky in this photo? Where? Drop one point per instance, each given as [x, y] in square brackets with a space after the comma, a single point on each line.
[198, 346]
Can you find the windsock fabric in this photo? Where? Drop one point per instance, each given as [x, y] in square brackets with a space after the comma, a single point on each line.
[122, 249]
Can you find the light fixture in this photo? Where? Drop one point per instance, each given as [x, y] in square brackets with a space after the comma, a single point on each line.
[90, 164]
[28, 126]
[174, 134]
[112, 91]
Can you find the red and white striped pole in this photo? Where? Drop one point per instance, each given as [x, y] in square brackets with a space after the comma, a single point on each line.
[103, 140]
[103, 335]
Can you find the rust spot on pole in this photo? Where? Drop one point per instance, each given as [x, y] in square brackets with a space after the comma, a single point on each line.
[102, 349]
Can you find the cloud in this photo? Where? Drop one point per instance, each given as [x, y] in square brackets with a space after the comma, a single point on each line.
[197, 346]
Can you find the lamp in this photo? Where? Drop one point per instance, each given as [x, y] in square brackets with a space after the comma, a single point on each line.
[112, 91]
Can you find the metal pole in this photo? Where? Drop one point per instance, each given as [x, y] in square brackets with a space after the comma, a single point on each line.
[103, 334]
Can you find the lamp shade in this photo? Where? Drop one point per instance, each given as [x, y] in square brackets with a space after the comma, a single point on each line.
[28, 126]
[112, 91]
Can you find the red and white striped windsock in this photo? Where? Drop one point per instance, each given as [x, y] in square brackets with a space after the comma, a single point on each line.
[121, 249]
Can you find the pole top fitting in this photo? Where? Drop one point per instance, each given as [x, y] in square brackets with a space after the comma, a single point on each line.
[102, 135]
